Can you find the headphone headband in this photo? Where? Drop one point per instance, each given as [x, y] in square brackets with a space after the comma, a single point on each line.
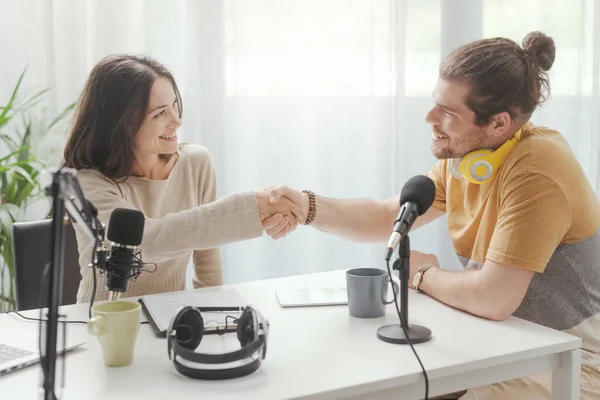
[518, 133]
[202, 358]
[217, 374]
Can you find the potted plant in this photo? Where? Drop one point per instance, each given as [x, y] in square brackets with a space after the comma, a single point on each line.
[23, 160]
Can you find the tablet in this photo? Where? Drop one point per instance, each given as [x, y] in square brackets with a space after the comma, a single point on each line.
[312, 297]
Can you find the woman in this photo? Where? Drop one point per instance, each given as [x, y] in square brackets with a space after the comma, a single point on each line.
[123, 143]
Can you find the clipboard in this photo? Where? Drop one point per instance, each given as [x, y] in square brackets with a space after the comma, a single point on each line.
[161, 308]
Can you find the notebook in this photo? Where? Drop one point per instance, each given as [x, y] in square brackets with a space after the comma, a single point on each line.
[312, 297]
[161, 308]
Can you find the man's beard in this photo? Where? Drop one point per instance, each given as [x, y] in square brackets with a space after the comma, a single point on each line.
[458, 147]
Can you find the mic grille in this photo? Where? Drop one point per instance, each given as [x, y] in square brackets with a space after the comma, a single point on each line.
[126, 227]
[419, 190]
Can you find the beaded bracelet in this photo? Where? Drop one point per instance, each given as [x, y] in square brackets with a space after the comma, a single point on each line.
[312, 207]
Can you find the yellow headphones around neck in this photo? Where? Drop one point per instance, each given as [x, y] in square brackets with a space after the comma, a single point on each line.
[481, 166]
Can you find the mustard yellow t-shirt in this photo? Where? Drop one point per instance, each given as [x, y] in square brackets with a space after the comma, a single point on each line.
[540, 213]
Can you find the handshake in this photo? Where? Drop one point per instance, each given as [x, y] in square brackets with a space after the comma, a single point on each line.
[281, 209]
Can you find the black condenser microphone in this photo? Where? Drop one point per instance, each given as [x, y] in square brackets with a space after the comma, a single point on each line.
[125, 231]
[416, 197]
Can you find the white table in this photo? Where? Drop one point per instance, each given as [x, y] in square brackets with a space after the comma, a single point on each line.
[323, 353]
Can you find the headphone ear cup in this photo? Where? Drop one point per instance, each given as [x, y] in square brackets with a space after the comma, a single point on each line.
[481, 166]
[478, 166]
[454, 166]
[189, 326]
[245, 328]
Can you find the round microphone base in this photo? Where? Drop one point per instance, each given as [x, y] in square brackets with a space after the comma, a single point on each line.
[395, 334]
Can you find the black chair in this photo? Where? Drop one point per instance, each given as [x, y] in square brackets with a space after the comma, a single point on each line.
[31, 249]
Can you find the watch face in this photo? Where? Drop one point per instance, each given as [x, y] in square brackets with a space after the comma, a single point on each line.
[415, 281]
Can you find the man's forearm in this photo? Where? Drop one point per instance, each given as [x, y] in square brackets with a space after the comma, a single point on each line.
[460, 289]
[359, 220]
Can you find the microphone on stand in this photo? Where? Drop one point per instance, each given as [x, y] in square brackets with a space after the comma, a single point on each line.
[416, 197]
[122, 262]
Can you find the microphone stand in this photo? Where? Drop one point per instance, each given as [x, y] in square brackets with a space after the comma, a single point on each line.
[396, 333]
[55, 282]
[66, 194]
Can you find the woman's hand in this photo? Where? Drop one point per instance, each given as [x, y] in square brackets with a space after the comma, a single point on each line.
[280, 217]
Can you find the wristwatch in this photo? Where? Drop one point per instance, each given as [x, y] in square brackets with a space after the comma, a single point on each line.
[418, 278]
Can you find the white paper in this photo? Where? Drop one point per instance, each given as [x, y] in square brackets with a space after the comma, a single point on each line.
[163, 307]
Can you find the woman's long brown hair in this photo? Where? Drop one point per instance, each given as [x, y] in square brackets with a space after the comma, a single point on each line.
[110, 112]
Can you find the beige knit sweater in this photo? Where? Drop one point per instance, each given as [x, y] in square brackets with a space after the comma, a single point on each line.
[183, 219]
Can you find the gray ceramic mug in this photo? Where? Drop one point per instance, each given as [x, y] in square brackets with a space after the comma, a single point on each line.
[367, 292]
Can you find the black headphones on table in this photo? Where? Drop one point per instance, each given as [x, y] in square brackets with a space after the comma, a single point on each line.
[185, 334]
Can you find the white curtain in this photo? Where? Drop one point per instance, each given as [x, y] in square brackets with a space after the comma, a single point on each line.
[327, 95]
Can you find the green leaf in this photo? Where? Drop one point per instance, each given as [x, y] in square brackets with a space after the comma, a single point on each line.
[19, 170]
[4, 184]
[11, 192]
[27, 163]
[21, 183]
[24, 155]
[4, 116]
[16, 152]
[10, 142]
[31, 102]
[27, 188]
[9, 213]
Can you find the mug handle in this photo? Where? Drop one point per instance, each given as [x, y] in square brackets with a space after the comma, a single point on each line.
[393, 282]
[95, 325]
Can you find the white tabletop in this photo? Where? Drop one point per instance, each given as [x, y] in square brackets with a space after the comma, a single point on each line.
[316, 353]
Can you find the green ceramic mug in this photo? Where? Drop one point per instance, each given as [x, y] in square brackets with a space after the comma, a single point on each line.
[116, 324]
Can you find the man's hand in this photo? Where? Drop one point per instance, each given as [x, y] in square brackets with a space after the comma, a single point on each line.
[419, 260]
[301, 199]
[277, 226]
[280, 218]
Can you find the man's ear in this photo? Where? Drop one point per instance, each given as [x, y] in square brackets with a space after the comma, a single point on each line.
[500, 124]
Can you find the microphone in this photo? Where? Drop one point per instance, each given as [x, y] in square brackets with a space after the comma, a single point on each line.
[125, 231]
[416, 197]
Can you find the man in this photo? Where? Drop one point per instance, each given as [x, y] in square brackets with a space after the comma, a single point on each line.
[524, 220]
